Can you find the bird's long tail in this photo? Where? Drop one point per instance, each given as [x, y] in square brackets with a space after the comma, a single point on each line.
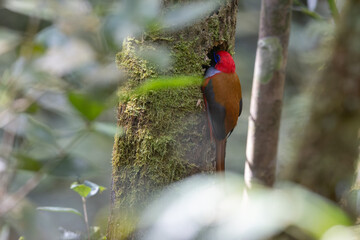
[220, 155]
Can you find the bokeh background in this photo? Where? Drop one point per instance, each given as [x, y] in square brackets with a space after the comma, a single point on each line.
[58, 82]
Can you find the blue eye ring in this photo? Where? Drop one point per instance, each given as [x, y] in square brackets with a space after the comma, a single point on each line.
[216, 58]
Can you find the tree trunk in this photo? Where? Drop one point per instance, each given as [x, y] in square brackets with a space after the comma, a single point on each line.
[166, 137]
[267, 91]
[328, 148]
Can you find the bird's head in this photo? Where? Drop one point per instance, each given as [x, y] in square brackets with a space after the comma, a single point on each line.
[224, 62]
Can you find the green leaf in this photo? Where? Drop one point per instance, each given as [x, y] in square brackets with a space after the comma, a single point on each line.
[86, 106]
[81, 189]
[167, 83]
[59, 209]
[101, 189]
[95, 188]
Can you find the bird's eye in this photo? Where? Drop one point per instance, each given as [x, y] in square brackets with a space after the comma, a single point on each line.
[216, 58]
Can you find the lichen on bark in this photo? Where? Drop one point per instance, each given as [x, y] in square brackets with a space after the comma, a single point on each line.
[270, 53]
[165, 133]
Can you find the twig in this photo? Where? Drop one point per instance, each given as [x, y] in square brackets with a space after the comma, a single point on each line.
[5, 150]
[86, 216]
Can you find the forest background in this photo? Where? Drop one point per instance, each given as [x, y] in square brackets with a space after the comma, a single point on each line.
[58, 98]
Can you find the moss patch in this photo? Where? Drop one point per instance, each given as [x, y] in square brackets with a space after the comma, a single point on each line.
[187, 60]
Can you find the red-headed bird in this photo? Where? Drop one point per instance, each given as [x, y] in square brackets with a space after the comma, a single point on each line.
[222, 96]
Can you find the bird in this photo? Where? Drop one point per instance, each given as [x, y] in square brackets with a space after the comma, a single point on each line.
[221, 90]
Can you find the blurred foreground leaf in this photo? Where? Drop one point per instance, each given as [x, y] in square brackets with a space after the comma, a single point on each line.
[204, 207]
[65, 59]
[185, 14]
[59, 209]
[88, 107]
[156, 54]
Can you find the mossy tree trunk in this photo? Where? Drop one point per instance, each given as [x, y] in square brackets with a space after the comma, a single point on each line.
[267, 91]
[166, 137]
[328, 148]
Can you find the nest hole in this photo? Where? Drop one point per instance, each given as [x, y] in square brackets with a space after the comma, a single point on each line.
[218, 46]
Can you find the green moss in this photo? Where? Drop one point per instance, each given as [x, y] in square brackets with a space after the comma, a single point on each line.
[187, 60]
[150, 155]
[138, 69]
[271, 58]
[159, 132]
[214, 28]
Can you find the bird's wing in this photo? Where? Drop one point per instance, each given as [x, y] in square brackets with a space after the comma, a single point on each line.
[216, 112]
[240, 106]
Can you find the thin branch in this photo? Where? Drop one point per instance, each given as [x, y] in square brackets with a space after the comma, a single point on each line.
[86, 216]
[300, 7]
[306, 11]
[5, 150]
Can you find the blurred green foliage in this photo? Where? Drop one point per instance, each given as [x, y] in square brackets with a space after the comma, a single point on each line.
[215, 207]
[57, 97]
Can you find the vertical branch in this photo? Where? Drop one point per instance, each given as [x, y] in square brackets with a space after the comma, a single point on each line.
[267, 91]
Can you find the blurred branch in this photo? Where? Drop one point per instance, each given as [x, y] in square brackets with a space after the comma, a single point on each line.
[18, 21]
[306, 11]
[300, 7]
[5, 150]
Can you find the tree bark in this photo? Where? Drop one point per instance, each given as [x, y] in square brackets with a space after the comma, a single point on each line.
[328, 148]
[166, 137]
[267, 91]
